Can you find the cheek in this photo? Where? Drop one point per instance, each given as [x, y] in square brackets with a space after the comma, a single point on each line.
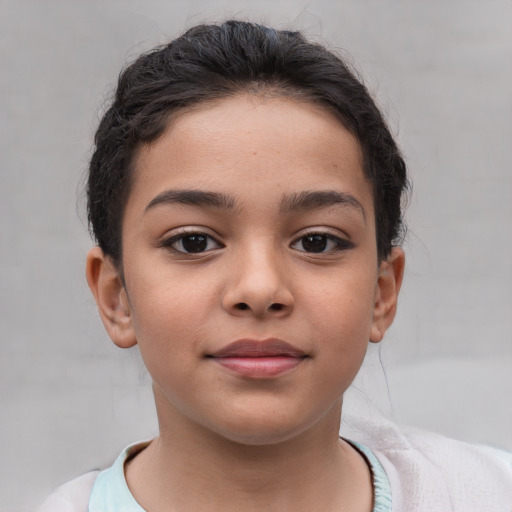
[344, 299]
[343, 318]
[169, 315]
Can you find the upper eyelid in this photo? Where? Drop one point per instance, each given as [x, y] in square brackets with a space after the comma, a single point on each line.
[330, 232]
[190, 230]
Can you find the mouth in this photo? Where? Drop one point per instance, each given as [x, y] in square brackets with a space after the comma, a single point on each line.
[259, 359]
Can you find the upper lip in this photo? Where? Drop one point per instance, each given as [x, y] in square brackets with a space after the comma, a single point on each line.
[258, 348]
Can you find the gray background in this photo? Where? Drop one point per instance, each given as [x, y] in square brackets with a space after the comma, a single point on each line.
[442, 72]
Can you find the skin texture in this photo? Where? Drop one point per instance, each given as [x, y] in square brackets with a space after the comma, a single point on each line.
[249, 442]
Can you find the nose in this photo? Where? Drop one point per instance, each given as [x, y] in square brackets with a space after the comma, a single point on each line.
[258, 287]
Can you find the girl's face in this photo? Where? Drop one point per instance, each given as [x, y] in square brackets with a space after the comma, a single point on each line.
[251, 280]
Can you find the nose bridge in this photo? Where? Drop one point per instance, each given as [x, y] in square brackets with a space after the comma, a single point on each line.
[259, 280]
[260, 267]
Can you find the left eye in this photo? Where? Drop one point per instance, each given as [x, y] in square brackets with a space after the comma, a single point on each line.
[192, 243]
[319, 242]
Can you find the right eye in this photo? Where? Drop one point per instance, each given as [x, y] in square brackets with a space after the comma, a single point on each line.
[192, 243]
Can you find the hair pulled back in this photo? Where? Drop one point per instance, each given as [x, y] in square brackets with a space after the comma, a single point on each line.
[210, 62]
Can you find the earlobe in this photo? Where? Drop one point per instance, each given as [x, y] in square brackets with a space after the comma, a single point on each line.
[391, 272]
[109, 292]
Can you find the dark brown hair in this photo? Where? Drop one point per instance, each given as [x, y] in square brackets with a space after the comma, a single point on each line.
[216, 61]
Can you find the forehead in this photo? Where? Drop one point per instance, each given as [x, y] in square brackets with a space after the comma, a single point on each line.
[250, 143]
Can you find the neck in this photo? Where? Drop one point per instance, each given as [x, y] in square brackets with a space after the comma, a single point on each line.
[189, 467]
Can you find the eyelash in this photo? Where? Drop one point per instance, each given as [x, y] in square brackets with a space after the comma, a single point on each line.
[180, 237]
[340, 244]
[205, 240]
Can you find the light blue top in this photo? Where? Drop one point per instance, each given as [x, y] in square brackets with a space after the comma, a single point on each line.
[381, 486]
[111, 494]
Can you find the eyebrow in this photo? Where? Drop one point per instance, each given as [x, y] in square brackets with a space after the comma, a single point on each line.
[307, 200]
[310, 200]
[194, 198]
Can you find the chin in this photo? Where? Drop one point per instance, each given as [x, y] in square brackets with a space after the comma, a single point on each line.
[251, 437]
[262, 430]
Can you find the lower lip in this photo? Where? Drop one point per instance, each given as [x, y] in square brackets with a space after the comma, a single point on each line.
[260, 367]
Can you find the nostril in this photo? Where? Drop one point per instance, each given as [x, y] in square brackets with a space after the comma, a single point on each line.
[273, 308]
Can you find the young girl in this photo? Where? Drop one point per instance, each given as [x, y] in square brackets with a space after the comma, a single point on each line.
[245, 196]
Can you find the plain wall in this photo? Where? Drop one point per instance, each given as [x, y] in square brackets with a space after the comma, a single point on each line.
[442, 73]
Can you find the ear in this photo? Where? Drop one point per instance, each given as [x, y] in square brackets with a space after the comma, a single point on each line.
[391, 273]
[109, 292]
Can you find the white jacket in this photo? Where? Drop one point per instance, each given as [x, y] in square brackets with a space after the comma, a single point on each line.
[427, 473]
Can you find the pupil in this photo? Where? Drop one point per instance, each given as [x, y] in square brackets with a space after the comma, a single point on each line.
[194, 243]
[314, 243]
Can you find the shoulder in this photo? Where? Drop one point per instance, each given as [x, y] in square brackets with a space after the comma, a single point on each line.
[432, 469]
[72, 496]
[500, 454]
[450, 455]
[428, 471]
[101, 490]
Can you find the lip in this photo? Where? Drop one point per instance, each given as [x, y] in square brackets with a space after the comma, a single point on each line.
[259, 359]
